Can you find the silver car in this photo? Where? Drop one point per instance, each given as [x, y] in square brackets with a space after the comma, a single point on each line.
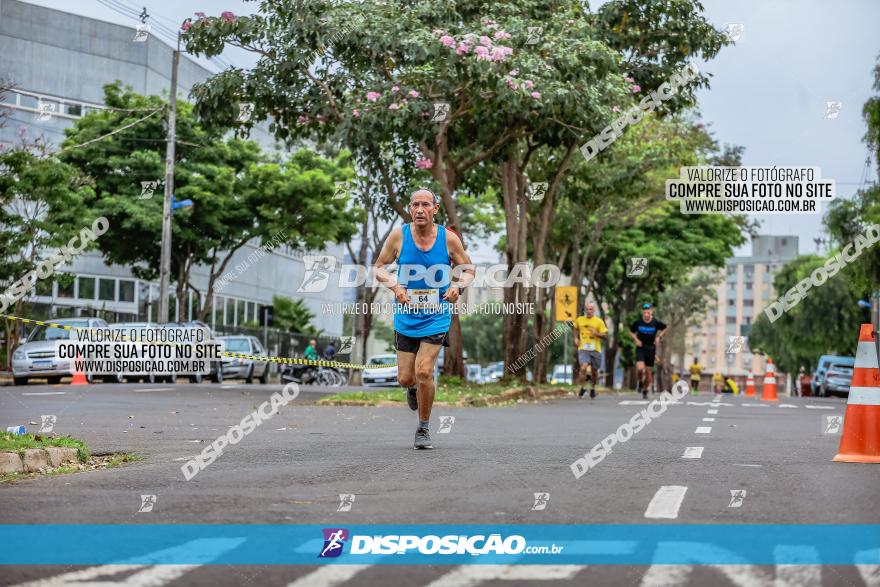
[36, 357]
[381, 370]
[247, 369]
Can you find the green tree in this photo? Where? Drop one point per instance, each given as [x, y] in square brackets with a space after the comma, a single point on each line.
[238, 194]
[376, 87]
[42, 206]
[293, 316]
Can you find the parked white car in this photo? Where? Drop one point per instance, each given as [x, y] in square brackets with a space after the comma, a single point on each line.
[36, 357]
[247, 369]
[381, 370]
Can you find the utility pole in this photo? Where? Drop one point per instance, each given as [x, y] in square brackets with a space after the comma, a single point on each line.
[165, 260]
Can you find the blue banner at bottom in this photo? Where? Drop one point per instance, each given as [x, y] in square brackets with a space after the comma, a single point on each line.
[440, 544]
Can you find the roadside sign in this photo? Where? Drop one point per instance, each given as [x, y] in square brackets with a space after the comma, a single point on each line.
[566, 302]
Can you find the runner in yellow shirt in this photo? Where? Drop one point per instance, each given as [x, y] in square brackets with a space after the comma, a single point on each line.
[588, 334]
[696, 373]
[717, 382]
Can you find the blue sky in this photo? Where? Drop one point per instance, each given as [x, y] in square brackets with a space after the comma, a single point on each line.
[768, 92]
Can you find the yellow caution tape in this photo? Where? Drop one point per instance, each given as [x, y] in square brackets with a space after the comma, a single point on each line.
[263, 358]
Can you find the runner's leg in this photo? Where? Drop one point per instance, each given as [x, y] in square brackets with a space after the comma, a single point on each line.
[425, 360]
[406, 374]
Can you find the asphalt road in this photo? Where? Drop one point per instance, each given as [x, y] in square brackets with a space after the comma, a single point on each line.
[485, 469]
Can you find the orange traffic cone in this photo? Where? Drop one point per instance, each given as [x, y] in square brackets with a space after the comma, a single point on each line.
[750, 386]
[79, 377]
[769, 393]
[860, 441]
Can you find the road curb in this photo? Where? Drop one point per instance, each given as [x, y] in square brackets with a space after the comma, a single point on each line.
[36, 459]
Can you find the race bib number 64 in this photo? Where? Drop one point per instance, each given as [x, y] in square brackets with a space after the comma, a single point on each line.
[424, 298]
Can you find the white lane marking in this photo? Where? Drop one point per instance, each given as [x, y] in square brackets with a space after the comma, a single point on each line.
[693, 452]
[703, 430]
[786, 406]
[227, 387]
[756, 405]
[710, 404]
[708, 419]
[633, 402]
[329, 576]
[811, 407]
[471, 575]
[666, 502]
[870, 572]
[145, 390]
[745, 465]
[44, 393]
[792, 569]
[159, 573]
[712, 412]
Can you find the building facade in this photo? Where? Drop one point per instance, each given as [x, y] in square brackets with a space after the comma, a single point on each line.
[57, 64]
[744, 289]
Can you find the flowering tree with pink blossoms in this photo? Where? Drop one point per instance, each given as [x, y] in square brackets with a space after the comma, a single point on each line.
[473, 92]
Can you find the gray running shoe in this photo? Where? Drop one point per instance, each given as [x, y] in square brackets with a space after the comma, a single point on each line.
[412, 399]
[423, 439]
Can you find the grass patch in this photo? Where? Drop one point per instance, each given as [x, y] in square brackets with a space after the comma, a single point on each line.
[92, 464]
[450, 391]
[19, 442]
[118, 459]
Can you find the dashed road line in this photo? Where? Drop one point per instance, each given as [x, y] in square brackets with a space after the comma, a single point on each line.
[712, 412]
[666, 502]
[708, 419]
[703, 430]
[693, 452]
[44, 393]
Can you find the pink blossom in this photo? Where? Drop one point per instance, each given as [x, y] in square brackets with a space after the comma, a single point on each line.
[528, 84]
[514, 72]
[501, 35]
[393, 107]
[200, 14]
[636, 88]
[485, 41]
[395, 89]
[462, 49]
[629, 80]
[616, 109]
[227, 16]
[356, 113]
[447, 41]
[512, 84]
[22, 131]
[404, 101]
[424, 163]
[485, 20]
[302, 119]
[482, 54]
[373, 96]
[187, 24]
[413, 94]
[438, 32]
[535, 95]
[470, 38]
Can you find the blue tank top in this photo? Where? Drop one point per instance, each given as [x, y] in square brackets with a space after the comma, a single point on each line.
[418, 269]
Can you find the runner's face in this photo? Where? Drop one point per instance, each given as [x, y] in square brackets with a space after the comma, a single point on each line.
[422, 208]
[589, 309]
[647, 315]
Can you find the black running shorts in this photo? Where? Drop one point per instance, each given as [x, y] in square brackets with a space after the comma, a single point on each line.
[409, 344]
[646, 355]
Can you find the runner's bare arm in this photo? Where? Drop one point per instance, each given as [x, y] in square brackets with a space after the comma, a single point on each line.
[463, 270]
[389, 253]
[635, 338]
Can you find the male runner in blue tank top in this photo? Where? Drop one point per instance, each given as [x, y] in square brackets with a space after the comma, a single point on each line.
[425, 288]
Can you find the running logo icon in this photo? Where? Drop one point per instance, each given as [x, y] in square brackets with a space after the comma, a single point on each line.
[446, 423]
[147, 503]
[735, 344]
[318, 268]
[148, 188]
[334, 540]
[45, 110]
[142, 33]
[441, 110]
[346, 344]
[48, 423]
[537, 190]
[736, 498]
[245, 111]
[832, 109]
[734, 31]
[831, 424]
[346, 500]
[534, 34]
[637, 267]
[541, 501]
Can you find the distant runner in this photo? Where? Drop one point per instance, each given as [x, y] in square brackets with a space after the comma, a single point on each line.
[696, 374]
[647, 333]
[588, 334]
[426, 254]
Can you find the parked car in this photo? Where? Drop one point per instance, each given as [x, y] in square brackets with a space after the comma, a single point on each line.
[140, 327]
[493, 372]
[36, 357]
[381, 370]
[561, 375]
[473, 373]
[837, 378]
[822, 368]
[245, 369]
[217, 368]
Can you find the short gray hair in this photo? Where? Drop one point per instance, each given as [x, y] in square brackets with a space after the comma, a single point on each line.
[436, 199]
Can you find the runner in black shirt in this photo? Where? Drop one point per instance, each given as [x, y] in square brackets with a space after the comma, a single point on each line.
[647, 334]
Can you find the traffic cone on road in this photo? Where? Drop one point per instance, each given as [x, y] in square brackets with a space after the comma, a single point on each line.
[750, 386]
[769, 393]
[79, 377]
[860, 441]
